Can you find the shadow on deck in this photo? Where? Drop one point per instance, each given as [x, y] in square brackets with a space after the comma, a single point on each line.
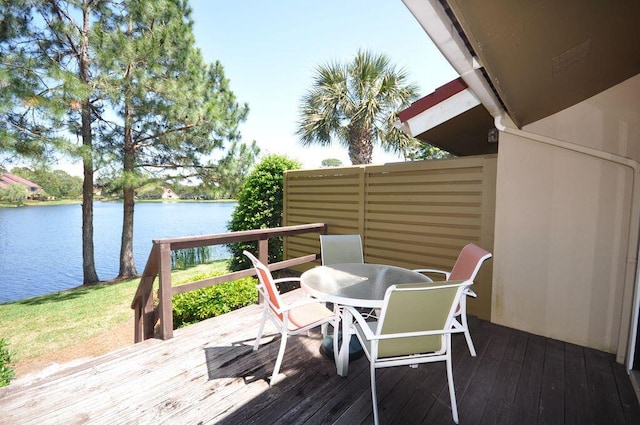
[208, 373]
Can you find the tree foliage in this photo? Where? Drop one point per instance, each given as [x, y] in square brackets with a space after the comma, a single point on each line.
[260, 204]
[56, 183]
[355, 104]
[424, 151]
[232, 170]
[41, 94]
[15, 194]
[172, 110]
[331, 162]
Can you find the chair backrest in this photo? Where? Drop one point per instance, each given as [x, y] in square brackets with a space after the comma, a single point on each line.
[418, 307]
[468, 263]
[266, 281]
[336, 249]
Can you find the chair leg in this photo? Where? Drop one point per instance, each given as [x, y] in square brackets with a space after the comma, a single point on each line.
[261, 329]
[452, 389]
[463, 319]
[374, 397]
[467, 335]
[336, 347]
[276, 369]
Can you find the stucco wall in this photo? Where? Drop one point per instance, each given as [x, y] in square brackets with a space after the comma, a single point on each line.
[564, 213]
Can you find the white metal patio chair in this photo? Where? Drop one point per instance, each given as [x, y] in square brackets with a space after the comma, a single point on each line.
[466, 267]
[414, 328]
[340, 249]
[289, 319]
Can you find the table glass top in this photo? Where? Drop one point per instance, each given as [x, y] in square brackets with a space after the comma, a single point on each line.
[355, 283]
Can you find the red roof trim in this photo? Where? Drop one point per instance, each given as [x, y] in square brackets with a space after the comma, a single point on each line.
[438, 96]
[13, 179]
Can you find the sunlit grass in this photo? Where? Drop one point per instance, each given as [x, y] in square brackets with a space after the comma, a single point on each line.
[38, 325]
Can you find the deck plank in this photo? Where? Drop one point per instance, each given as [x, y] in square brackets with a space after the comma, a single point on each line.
[602, 387]
[209, 374]
[526, 402]
[500, 399]
[472, 403]
[551, 409]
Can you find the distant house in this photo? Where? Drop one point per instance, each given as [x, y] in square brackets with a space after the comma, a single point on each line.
[7, 180]
[169, 194]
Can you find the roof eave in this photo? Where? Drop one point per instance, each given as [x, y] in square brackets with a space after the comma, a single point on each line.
[438, 26]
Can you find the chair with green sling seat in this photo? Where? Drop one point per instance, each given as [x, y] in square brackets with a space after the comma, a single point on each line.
[415, 327]
[339, 249]
[289, 319]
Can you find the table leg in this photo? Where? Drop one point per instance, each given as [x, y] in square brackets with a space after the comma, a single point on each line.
[342, 362]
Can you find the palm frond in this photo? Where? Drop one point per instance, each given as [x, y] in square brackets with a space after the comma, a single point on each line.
[355, 105]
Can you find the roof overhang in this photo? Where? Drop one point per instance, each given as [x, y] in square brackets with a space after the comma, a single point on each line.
[453, 119]
[533, 59]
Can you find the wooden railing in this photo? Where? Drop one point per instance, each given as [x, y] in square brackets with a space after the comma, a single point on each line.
[149, 314]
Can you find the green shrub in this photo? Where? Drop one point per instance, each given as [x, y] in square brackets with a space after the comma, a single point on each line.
[195, 306]
[6, 372]
[260, 207]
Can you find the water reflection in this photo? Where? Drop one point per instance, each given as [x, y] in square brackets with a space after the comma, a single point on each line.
[41, 247]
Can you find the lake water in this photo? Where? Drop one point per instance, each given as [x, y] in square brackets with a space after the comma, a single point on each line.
[41, 247]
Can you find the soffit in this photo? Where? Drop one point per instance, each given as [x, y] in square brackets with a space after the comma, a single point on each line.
[465, 134]
[542, 57]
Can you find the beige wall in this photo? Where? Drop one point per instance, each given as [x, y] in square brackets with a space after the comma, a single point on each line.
[566, 222]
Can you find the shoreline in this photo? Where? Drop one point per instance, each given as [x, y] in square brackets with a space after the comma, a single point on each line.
[138, 201]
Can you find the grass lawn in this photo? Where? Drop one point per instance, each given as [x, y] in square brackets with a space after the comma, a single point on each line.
[38, 325]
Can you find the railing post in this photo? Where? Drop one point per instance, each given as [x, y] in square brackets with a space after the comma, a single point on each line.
[263, 256]
[165, 293]
[263, 251]
[148, 310]
[138, 324]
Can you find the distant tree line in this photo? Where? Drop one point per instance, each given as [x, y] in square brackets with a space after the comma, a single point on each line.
[56, 184]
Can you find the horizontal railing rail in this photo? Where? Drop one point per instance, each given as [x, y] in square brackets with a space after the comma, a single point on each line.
[151, 317]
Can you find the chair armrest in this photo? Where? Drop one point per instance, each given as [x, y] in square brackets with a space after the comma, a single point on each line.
[361, 321]
[415, 334]
[469, 292]
[301, 303]
[446, 273]
[286, 279]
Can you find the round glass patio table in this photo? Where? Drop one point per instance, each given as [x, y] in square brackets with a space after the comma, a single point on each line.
[356, 285]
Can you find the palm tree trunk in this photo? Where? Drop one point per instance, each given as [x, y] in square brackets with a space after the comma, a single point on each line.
[360, 146]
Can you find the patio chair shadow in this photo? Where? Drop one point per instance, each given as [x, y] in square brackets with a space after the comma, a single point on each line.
[238, 360]
[304, 371]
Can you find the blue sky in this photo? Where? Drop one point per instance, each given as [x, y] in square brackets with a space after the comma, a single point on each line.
[269, 50]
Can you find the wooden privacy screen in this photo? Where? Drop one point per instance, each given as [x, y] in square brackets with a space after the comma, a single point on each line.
[409, 214]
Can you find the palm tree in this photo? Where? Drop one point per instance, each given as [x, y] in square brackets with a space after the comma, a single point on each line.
[356, 104]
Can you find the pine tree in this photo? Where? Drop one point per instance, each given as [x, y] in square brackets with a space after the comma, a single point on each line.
[48, 95]
[171, 109]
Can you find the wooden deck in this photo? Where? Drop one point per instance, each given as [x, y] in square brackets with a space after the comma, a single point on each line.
[208, 373]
